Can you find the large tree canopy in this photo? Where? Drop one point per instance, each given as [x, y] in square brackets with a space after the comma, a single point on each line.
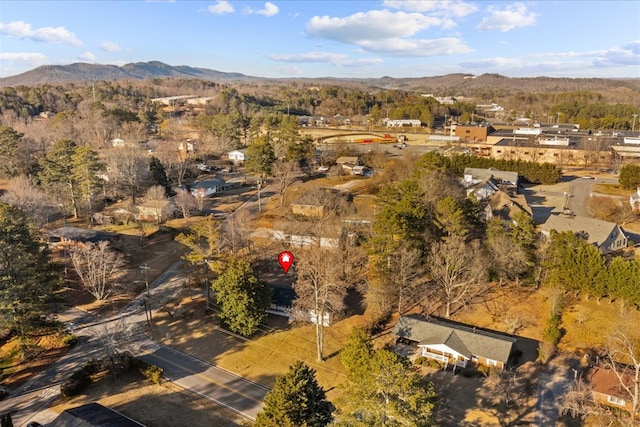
[296, 400]
[28, 278]
[243, 299]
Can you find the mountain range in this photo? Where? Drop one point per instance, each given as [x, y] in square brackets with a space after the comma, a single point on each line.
[453, 83]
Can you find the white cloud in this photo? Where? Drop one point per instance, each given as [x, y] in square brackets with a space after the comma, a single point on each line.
[269, 9]
[22, 30]
[561, 63]
[510, 18]
[32, 58]
[418, 47]
[373, 25]
[338, 59]
[436, 7]
[308, 57]
[221, 7]
[87, 57]
[108, 46]
[625, 55]
[388, 32]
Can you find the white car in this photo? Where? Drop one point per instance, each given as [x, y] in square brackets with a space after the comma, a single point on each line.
[587, 177]
[323, 168]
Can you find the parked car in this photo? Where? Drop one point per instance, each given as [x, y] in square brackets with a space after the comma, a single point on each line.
[587, 177]
[323, 168]
[204, 168]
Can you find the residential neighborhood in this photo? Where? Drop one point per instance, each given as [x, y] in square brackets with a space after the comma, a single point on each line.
[480, 262]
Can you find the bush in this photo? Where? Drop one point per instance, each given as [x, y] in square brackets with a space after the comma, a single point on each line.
[153, 372]
[421, 361]
[80, 379]
[552, 332]
[70, 340]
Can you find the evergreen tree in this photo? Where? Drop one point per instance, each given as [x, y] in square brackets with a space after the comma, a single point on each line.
[630, 176]
[86, 165]
[28, 278]
[243, 299]
[260, 157]
[297, 400]
[384, 389]
[159, 175]
[57, 171]
[9, 147]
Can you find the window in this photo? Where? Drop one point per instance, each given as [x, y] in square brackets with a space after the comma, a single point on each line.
[498, 151]
[616, 400]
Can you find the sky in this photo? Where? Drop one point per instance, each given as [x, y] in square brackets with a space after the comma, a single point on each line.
[306, 38]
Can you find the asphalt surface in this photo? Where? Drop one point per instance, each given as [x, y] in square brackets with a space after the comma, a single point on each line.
[30, 402]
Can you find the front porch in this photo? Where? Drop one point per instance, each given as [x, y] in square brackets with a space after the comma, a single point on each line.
[453, 360]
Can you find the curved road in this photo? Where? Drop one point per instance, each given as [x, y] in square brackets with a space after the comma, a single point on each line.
[238, 394]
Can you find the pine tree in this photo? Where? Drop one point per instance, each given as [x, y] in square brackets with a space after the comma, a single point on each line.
[243, 299]
[297, 400]
[159, 175]
[57, 170]
[86, 166]
[28, 279]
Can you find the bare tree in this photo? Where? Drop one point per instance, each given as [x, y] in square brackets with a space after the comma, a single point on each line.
[114, 338]
[285, 174]
[97, 265]
[457, 270]
[130, 168]
[407, 267]
[623, 359]
[578, 401]
[21, 193]
[236, 231]
[134, 132]
[175, 165]
[185, 201]
[319, 289]
[200, 196]
[510, 260]
[156, 193]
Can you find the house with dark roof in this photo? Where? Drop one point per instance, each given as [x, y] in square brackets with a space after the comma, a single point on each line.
[455, 344]
[78, 236]
[92, 415]
[606, 236]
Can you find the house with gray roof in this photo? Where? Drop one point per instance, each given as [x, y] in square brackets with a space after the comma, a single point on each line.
[455, 344]
[78, 236]
[474, 176]
[606, 236]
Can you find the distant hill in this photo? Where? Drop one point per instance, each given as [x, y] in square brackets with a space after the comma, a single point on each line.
[52, 74]
[490, 85]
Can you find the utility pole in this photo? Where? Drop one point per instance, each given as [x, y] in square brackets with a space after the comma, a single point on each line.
[144, 269]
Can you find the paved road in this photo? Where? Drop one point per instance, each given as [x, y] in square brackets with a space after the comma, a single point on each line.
[29, 403]
[223, 387]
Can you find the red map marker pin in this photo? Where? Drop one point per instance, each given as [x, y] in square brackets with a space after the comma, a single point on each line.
[285, 259]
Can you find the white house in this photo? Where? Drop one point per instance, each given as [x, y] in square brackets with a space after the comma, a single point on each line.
[400, 123]
[453, 343]
[238, 156]
[207, 187]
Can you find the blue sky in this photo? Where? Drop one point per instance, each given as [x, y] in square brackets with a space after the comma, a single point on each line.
[396, 38]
